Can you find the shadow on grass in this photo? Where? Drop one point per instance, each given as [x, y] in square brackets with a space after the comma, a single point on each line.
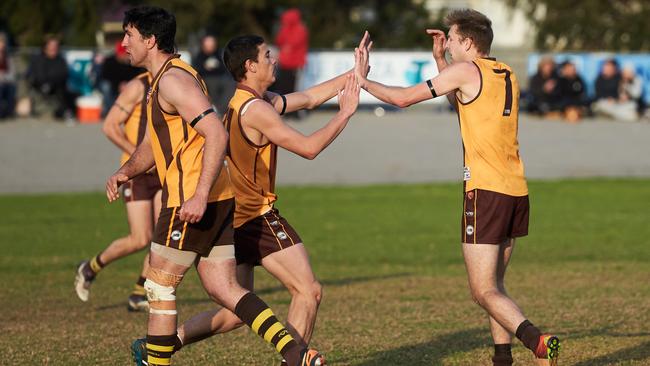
[639, 352]
[434, 351]
[274, 289]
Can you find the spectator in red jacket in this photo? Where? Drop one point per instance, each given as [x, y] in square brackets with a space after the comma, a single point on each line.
[293, 41]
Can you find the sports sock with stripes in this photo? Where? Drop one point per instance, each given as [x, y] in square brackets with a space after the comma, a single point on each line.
[93, 267]
[138, 288]
[502, 355]
[257, 315]
[528, 334]
[160, 349]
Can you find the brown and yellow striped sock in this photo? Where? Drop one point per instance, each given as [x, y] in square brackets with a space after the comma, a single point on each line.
[93, 267]
[160, 349]
[138, 288]
[257, 315]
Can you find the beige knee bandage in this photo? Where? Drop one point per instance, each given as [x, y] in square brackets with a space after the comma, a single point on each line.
[161, 291]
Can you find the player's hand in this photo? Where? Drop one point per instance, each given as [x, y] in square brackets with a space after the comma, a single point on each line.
[362, 58]
[113, 184]
[193, 209]
[439, 43]
[349, 96]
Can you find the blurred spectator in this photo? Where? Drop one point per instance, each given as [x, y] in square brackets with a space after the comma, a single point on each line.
[209, 64]
[615, 97]
[293, 41]
[113, 73]
[47, 76]
[631, 88]
[544, 90]
[571, 89]
[7, 80]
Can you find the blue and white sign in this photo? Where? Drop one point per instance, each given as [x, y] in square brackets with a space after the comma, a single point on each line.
[390, 68]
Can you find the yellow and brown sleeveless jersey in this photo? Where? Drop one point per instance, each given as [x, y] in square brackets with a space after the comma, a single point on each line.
[251, 166]
[178, 148]
[136, 125]
[488, 125]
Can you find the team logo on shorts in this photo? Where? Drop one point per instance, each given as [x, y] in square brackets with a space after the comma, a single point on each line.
[127, 192]
[275, 223]
[469, 230]
[282, 235]
[176, 235]
[469, 213]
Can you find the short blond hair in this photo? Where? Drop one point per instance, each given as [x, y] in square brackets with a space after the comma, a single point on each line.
[474, 25]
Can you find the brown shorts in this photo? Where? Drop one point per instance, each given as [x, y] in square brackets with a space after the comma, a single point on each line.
[491, 217]
[141, 188]
[215, 228]
[262, 236]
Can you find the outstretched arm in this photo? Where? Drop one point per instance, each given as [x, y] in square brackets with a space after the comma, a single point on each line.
[263, 118]
[318, 94]
[449, 79]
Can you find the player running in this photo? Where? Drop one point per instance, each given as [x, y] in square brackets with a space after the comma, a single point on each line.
[141, 195]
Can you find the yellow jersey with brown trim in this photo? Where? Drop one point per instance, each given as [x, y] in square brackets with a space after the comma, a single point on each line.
[136, 124]
[489, 125]
[252, 167]
[178, 148]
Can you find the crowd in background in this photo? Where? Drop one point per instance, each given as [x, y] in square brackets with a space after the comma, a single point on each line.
[558, 91]
[555, 91]
[50, 90]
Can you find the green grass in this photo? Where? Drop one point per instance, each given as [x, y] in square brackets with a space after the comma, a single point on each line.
[389, 257]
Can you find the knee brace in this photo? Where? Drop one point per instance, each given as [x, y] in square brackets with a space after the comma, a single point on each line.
[161, 291]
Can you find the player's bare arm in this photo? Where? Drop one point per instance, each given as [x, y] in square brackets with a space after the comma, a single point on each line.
[180, 93]
[140, 161]
[318, 94]
[130, 96]
[438, 51]
[265, 120]
[462, 76]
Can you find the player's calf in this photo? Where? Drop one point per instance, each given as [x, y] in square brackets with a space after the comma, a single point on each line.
[160, 287]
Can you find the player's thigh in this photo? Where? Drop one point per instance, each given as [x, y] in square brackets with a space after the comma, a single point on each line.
[246, 276]
[291, 266]
[481, 262]
[170, 260]
[505, 253]
[140, 219]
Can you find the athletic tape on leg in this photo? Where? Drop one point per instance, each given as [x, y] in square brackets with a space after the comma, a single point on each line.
[161, 291]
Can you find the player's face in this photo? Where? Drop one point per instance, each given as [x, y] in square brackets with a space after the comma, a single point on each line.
[266, 64]
[135, 46]
[456, 45]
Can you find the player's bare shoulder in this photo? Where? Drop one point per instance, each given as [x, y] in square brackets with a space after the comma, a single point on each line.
[260, 112]
[466, 70]
[133, 90]
[175, 80]
[176, 87]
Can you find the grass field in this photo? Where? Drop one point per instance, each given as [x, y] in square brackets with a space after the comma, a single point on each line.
[390, 261]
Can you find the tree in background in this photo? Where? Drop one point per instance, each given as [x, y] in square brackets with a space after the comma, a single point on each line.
[74, 20]
[588, 25]
[333, 24]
